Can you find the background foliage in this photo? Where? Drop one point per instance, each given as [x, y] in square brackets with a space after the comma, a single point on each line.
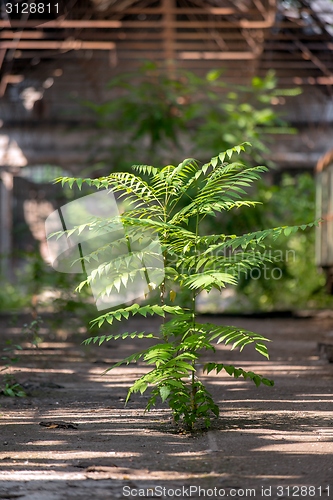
[159, 118]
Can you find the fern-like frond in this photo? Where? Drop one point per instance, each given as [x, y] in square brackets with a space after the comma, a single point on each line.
[180, 177]
[238, 337]
[231, 179]
[210, 205]
[148, 170]
[186, 169]
[99, 339]
[221, 190]
[132, 186]
[216, 161]
[234, 262]
[78, 181]
[134, 309]
[135, 188]
[238, 372]
[142, 211]
[209, 279]
[255, 238]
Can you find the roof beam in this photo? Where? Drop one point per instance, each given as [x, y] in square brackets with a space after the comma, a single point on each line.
[60, 23]
[216, 11]
[57, 45]
[316, 43]
[2, 56]
[217, 55]
[12, 35]
[8, 78]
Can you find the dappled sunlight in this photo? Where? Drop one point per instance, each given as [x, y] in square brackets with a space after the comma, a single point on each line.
[70, 454]
[313, 395]
[296, 448]
[304, 435]
[277, 401]
[271, 366]
[117, 473]
[40, 475]
[260, 434]
[267, 477]
[45, 443]
[112, 385]
[46, 370]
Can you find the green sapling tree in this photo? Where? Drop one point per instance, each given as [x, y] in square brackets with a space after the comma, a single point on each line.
[172, 203]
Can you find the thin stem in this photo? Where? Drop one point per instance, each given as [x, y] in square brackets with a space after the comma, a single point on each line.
[162, 285]
[193, 389]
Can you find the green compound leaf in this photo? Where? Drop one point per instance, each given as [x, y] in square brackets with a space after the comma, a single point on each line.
[238, 372]
[106, 338]
[136, 309]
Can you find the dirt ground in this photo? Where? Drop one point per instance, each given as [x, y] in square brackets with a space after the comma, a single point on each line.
[268, 442]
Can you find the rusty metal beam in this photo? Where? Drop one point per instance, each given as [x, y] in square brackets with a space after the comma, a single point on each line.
[242, 23]
[2, 56]
[14, 35]
[216, 11]
[57, 45]
[217, 55]
[62, 23]
[37, 34]
[9, 78]
[260, 7]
